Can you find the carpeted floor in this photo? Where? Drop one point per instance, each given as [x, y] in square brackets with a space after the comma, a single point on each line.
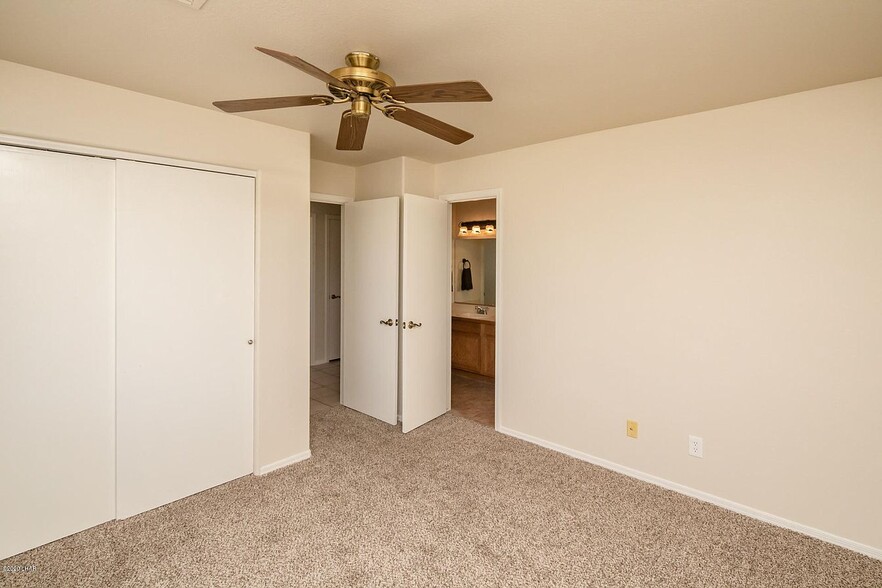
[452, 503]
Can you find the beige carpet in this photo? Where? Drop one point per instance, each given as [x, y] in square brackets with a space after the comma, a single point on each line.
[451, 504]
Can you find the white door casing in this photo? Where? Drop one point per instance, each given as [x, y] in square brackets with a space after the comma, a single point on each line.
[369, 382]
[185, 316]
[57, 345]
[425, 301]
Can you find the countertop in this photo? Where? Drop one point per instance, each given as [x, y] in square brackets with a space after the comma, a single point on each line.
[473, 316]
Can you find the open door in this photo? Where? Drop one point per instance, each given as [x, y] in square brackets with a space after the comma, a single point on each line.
[334, 302]
[425, 311]
[369, 375]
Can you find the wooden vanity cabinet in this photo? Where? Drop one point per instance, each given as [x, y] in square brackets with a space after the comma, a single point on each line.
[473, 346]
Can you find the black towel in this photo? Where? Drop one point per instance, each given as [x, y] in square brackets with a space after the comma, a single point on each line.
[466, 275]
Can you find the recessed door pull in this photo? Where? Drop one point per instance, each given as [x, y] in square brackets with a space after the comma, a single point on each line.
[413, 325]
[387, 322]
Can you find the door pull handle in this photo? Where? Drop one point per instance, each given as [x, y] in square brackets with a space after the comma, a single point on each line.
[335, 297]
[413, 325]
[387, 322]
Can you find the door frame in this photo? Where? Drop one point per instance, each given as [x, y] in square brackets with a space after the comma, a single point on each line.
[450, 199]
[341, 200]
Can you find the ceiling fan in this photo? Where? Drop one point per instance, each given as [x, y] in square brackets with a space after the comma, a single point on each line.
[365, 87]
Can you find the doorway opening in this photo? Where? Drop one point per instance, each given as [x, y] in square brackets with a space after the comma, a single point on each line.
[474, 231]
[325, 304]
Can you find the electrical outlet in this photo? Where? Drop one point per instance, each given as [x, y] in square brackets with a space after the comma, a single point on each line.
[696, 446]
[632, 429]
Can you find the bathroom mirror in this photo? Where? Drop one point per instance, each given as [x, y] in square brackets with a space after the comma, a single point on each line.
[481, 256]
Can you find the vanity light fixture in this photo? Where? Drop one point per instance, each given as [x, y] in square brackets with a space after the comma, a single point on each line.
[474, 229]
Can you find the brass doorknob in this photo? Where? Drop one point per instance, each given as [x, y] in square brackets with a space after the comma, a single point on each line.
[387, 322]
[413, 325]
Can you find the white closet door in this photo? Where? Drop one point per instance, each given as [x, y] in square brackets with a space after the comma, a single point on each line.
[56, 346]
[185, 315]
[425, 311]
[370, 308]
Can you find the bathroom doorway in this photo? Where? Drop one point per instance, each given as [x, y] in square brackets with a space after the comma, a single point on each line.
[474, 235]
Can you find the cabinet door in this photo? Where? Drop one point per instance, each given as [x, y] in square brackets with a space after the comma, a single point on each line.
[488, 349]
[185, 318]
[466, 346]
[57, 346]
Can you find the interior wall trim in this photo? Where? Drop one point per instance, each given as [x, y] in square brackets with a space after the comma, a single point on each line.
[70, 148]
[276, 465]
[873, 552]
[329, 198]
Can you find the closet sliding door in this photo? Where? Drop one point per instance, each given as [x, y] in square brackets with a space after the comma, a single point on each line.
[185, 320]
[56, 347]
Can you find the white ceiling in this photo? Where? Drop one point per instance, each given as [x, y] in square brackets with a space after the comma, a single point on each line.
[555, 68]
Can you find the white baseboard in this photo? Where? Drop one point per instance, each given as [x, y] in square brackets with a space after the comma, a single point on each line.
[874, 552]
[270, 467]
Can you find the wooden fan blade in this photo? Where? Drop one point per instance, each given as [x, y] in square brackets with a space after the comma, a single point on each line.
[305, 67]
[352, 132]
[470, 91]
[268, 103]
[430, 125]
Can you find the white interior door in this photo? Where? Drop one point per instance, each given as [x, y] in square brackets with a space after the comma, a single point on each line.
[332, 316]
[185, 317]
[425, 311]
[369, 381]
[56, 347]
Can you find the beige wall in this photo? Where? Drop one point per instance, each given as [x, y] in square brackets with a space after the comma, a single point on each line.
[332, 178]
[391, 177]
[717, 274]
[41, 104]
[379, 180]
[419, 177]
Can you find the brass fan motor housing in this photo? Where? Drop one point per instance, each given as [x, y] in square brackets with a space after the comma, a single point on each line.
[362, 74]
